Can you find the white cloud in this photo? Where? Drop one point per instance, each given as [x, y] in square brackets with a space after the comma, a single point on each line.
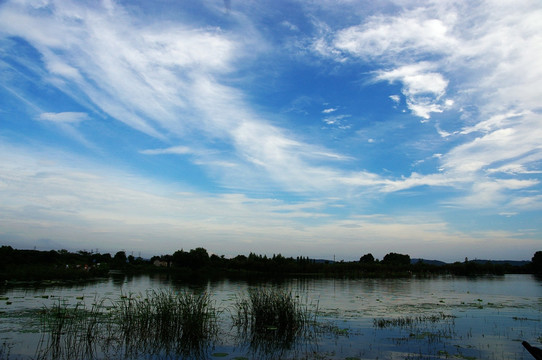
[417, 80]
[162, 79]
[47, 192]
[515, 144]
[137, 74]
[415, 180]
[476, 58]
[408, 35]
[169, 82]
[64, 117]
[337, 120]
[178, 150]
[513, 169]
[422, 88]
[400, 42]
[495, 193]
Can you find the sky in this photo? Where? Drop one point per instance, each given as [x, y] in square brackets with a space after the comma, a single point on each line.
[320, 128]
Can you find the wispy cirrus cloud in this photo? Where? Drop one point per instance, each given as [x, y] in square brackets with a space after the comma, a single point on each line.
[191, 97]
[162, 80]
[168, 81]
[68, 122]
[474, 59]
[177, 150]
[64, 117]
[58, 194]
[329, 110]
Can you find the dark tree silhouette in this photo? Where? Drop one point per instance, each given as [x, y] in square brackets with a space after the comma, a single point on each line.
[367, 259]
[396, 259]
[537, 262]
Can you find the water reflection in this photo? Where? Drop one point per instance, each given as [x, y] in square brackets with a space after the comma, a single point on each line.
[490, 316]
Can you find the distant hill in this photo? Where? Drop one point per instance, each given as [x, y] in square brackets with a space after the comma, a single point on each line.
[428, 262]
[322, 261]
[477, 261]
[502, 262]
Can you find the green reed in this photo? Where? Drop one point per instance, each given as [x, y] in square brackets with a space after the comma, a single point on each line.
[272, 321]
[165, 320]
[162, 322]
[72, 331]
[272, 309]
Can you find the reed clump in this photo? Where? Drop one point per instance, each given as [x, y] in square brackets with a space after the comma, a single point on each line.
[165, 320]
[272, 321]
[272, 309]
[161, 323]
[72, 331]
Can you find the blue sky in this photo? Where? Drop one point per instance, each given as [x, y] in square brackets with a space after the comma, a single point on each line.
[314, 128]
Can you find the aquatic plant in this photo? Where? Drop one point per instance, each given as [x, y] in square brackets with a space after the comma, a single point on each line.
[411, 320]
[162, 323]
[271, 321]
[166, 320]
[72, 331]
[271, 309]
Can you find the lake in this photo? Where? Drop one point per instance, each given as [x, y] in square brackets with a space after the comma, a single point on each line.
[408, 318]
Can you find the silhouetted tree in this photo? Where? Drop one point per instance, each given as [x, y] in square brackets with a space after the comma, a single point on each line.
[119, 260]
[198, 258]
[396, 259]
[194, 259]
[180, 258]
[537, 262]
[367, 259]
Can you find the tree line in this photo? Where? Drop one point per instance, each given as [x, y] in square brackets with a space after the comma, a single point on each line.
[39, 265]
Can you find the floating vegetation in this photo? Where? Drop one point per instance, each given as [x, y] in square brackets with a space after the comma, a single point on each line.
[524, 319]
[410, 320]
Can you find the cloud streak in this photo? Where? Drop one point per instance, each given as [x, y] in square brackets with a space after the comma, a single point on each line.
[162, 81]
[64, 195]
[64, 117]
[458, 56]
[434, 103]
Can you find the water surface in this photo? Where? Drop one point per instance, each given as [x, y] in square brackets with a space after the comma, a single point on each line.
[416, 318]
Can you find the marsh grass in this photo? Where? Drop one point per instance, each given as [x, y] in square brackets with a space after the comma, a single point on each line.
[272, 321]
[429, 332]
[72, 328]
[166, 321]
[271, 309]
[411, 320]
[161, 323]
